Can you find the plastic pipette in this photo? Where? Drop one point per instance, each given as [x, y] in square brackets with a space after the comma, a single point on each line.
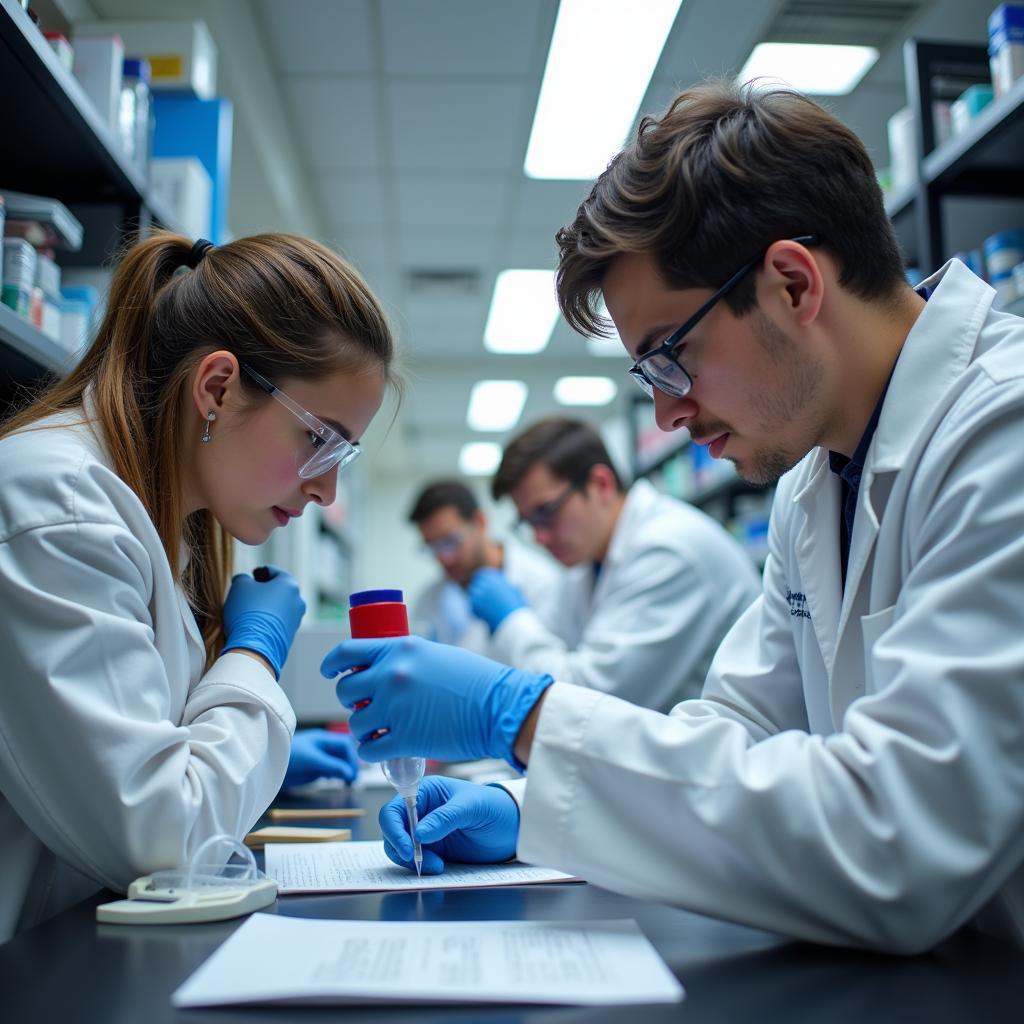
[404, 773]
[377, 613]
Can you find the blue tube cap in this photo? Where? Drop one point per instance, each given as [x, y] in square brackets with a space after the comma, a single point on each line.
[374, 597]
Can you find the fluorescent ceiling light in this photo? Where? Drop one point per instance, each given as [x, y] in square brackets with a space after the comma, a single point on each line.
[523, 312]
[817, 68]
[496, 404]
[479, 458]
[602, 55]
[585, 390]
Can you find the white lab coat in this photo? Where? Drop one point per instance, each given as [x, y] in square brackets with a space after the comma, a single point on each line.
[442, 612]
[671, 586]
[855, 771]
[118, 755]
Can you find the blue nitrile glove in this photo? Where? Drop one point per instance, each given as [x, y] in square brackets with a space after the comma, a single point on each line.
[414, 698]
[320, 754]
[262, 615]
[492, 597]
[459, 821]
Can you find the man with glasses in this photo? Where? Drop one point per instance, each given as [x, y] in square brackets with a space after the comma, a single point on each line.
[854, 773]
[455, 531]
[652, 586]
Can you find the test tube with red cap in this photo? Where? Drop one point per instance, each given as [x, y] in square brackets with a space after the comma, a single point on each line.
[382, 613]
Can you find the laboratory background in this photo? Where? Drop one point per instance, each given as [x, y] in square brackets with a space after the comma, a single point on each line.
[439, 145]
[425, 142]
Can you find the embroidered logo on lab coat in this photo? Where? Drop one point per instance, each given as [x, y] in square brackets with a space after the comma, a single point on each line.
[797, 604]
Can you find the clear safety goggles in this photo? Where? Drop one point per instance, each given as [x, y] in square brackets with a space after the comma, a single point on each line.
[327, 448]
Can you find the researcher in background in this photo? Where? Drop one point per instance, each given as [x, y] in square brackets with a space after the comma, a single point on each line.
[140, 711]
[455, 530]
[653, 584]
[854, 773]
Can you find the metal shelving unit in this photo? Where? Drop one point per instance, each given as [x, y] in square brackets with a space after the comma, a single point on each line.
[55, 144]
[986, 160]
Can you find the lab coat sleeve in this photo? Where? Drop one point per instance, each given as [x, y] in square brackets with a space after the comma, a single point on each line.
[93, 756]
[754, 678]
[889, 833]
[656, 630]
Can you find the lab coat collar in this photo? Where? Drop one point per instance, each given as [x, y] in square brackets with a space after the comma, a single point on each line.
[935, 354]
[640, 499]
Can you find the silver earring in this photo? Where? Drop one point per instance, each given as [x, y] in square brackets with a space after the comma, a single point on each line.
[210, 417]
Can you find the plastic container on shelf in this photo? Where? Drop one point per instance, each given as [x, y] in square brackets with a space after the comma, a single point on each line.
[1006, 46]
[942, 121]
[902, 148]
[48, 282]
[99, 62]
[1003, 251]
[968, 105]
[135, 113]
[45, 223]
[19, 275]
[62, 48]
[77, 309]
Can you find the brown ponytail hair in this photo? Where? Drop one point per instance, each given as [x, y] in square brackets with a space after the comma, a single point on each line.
[286, 305]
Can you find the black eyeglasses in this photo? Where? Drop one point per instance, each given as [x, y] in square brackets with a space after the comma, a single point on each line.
[543, 516]
[660, 368]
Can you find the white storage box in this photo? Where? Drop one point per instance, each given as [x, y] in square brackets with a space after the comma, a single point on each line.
[181, 54]
[98, 64]
[182, 186]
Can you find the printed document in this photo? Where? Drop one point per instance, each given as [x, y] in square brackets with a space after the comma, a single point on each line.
[272, 959]
[365, 867]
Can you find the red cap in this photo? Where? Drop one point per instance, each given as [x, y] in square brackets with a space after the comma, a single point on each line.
[372, 618]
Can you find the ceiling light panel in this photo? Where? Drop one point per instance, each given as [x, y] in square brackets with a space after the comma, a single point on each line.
[523, 312]
[602, 56]
[479, 458]
[496, 404]
[816, 68]
[585, 390]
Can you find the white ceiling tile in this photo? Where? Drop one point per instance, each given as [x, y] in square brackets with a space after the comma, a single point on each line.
[351, 200]
[309, 36]
[549, 204]
[530, 248]
[459, 125]
[459, 37]
[452, 201]
[337, 122]
[423, 247]
[366, 247]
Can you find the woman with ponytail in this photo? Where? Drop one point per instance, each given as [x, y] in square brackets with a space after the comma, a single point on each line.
[139, 706]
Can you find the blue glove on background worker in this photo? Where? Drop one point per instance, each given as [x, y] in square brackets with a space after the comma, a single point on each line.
[459, 821]
[414, 698]
[320, 754]
[262, 613]
[492, 597]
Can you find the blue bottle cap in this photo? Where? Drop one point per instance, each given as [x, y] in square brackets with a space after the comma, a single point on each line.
[136, 67]
[374, 597]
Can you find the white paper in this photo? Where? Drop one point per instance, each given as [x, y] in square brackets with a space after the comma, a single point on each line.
[365, 867]
[272, 959]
